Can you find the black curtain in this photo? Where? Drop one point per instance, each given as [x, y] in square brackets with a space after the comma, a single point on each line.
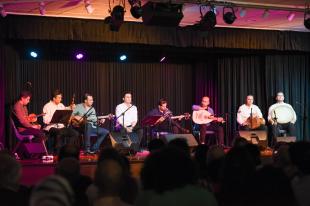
[229, 79]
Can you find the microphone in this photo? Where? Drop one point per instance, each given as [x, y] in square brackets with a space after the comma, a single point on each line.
[29, 83]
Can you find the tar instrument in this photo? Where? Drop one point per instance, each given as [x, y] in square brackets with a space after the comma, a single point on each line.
[205, 117]
[282, 114]
[255, 122]
[168, 114]
[32, 118]
[78, 121]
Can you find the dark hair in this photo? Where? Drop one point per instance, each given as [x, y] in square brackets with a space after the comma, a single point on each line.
[25, 94]
[86, 95]
[69, 151]
[127, 92]
[56, 92]
[162, 101]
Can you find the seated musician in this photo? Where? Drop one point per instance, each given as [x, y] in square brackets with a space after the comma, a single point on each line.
[57, 131]
[85, 117]
[127, 118]
[166, 123]
[249, 116]
[212, 124]
[274, 114]
[22, 121]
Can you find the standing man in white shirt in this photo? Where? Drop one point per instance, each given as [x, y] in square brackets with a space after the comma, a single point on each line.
[276, 126]
[57, 131]
[249, 110]
[127, 118]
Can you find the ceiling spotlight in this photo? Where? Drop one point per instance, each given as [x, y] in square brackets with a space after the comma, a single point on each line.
[208, 20]
[136, 9]
[34, 54]
[2, 11]
[116, 19]
[89, 8]
[291, 16]
[229, 17]
[307, 18]
[42, 8]
[242, 12]
[265, 14]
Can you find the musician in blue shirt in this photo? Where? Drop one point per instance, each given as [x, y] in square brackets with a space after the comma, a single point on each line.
[86, 113]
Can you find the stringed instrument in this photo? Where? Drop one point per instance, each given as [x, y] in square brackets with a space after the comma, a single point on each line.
[205, 117]
[33, 118]
[79, 122]
[165, 116]
[254, 122]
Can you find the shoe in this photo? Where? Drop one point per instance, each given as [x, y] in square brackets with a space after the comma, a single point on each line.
[90, 152]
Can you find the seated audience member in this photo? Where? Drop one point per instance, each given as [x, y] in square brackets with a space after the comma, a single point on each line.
[300, 156]
[11, 192]
[52, 191]
[155, 145]
[129, 190]
[69, 168]
[169, 177]
[109, 179]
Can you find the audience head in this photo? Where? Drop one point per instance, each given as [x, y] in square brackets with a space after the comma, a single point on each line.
[109, 177]
[181, 144]
[167, 169]
[52, 191]
[300, 156]
[155, 144]
[240, 142]
[215, 153]
[10, 172]
[69, 168]
[69, 150]
[111, 153]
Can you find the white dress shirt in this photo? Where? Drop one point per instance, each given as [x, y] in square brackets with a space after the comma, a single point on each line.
[131, 116]
[244, 112]
[272, 107]
[49, 110]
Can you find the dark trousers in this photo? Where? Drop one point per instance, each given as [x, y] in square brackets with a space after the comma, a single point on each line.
[217, 128]
[289, 127]
[62, 136]
[38, 134]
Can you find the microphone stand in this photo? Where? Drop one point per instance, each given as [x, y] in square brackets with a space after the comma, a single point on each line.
[251, 118]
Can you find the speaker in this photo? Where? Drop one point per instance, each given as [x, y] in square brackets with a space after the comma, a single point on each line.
[125, 143]
[31, 150]
[287, 139]
[162, 14]
[191, 141]
[258, 137]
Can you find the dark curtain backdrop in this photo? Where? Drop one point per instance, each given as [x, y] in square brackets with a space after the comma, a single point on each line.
[2, 96]
[229, 79]
[86, 30]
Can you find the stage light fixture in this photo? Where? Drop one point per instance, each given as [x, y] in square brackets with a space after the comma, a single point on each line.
[123, 57]
[291, 16]
[136, 8]
[88, 7]
[79, 56]
[34, 54]
[162, 59]
[307, 18]
[2, 11]
[208, 20]
[116, 19]
[42, 8]
[242, 12]
[229, 17]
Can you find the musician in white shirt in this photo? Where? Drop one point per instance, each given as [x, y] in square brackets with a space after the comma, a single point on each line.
[272, 117]
[57, 131]
[248, 111]
[127, 118]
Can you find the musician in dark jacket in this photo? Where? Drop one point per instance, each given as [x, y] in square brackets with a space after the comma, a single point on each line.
[166, 123]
